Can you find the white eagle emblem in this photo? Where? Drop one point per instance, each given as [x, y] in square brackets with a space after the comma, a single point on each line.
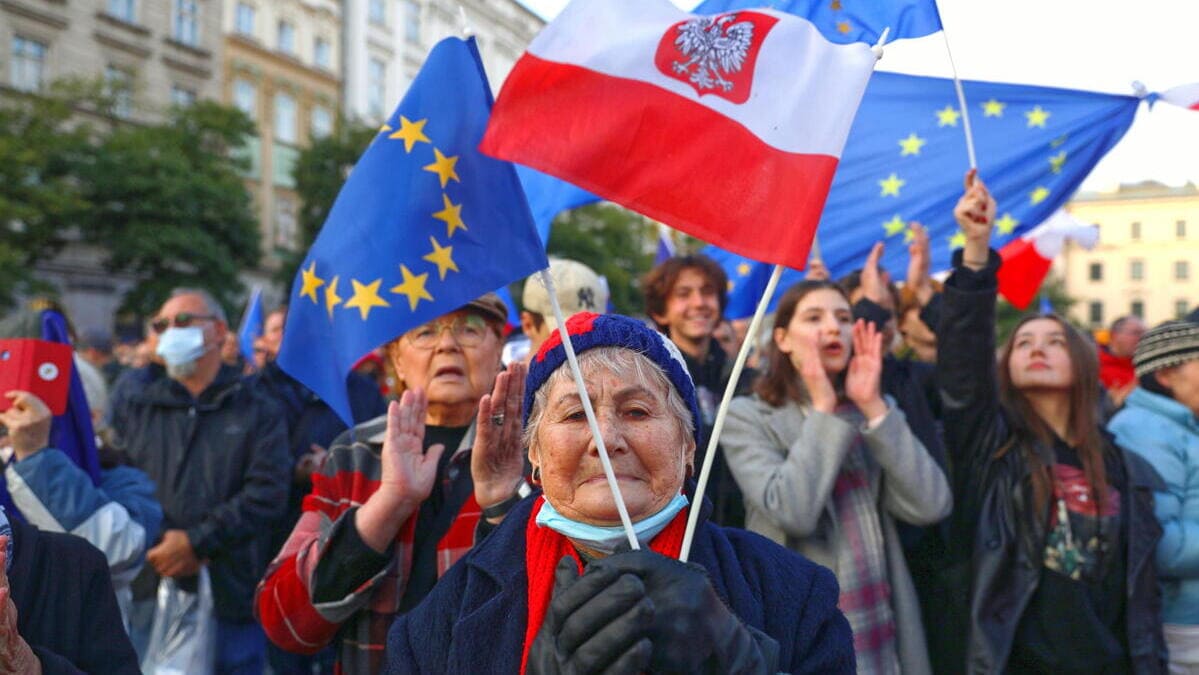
[712, 47]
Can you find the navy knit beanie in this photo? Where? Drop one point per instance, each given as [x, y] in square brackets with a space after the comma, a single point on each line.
[588, 331]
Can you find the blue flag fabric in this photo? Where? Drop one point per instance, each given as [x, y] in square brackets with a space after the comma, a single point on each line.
[251, 326]
[747, 281]
[72, 431]
[548, 196]
[845, 21]
[424, 224]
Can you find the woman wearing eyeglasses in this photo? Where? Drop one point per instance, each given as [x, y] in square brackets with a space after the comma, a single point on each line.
[384, 521]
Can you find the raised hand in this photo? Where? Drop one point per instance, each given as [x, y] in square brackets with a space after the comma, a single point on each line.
[874, 279]
[919, 258]
[975, 214]
[816, 271]
[862, 382]
[15, 654]
[821, 393]
[28, 422]
[497, 456]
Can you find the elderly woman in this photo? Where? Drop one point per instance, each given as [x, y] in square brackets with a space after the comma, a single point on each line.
[549, 590]
[399, 498]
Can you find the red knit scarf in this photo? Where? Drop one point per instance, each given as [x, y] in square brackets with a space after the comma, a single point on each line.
[545, 547]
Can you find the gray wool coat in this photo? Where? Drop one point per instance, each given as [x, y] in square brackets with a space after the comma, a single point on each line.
[786, 461]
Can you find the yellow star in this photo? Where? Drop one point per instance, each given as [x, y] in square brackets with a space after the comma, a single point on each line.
[443, 167]
[891, 185]
[310, 282]
[843, 27]
[384, 127]
[909, 235]
[1038, 195]
[894, 226]
[911, 145]
[993, 108]
[411, 133]
[958, 240]
[413, 287]
[366, 297]
[442, 256]
[730, 286]
[1037, 117]
[835, 5]
[1006, 224]
[1057, 142]
[743, 269]
[948, 116]
[1056, 162]
[451, 215]
[332, 299]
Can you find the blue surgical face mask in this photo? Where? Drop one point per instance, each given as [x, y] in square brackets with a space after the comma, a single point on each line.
[178, 346]
[606, 539]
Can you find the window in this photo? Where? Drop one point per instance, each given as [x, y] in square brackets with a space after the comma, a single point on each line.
[322, 122]
[1095, 313]
[244, 19]
[283, 165]
[27, 68]
[287, 37]
[1096, 272]
[1182, 270]
[182, 96]
[125, 10]
[249, 154]
[377, 12]
[322, 56]
[119, 85]
[412, 21]
[285, 222]
[187, 22]
[1137, 309]
[1181, 307]
[376, 87]
[1180, 229]
[245, 97]
[1136, 230]
[285, 118]
[1136, 270]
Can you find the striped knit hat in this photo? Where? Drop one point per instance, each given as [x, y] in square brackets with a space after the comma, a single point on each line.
[589, 330]
[1169, 344]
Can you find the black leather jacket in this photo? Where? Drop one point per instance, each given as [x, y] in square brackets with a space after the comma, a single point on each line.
[995, 528]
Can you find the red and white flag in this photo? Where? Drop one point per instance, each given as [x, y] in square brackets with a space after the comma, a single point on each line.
[1026, 260]
[1186, 95]
[728, 127]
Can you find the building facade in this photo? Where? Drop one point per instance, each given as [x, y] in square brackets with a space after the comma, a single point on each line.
[282, 67]
[1147, 260]
[386, 42]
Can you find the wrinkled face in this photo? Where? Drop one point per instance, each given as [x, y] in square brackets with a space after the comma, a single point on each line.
[647, 446]
[918, 336]
[1040, 357]
[692, 307]
[822, 319]
[450, 372]
[1183, 381]
[1124, 341]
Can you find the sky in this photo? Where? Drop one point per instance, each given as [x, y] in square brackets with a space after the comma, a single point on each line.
[1097, 45]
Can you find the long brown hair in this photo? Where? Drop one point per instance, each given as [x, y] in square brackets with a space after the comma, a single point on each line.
[781, 383]
[1029, 430]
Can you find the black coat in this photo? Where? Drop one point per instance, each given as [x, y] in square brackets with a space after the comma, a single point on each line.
[996, 530]
[222, 470]
[66, 610]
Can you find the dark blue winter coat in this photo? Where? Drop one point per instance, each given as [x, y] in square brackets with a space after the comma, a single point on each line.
[474, 620]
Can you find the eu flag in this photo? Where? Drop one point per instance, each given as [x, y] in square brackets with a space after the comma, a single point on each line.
[845, 21]
[424, 224]
[251, 326]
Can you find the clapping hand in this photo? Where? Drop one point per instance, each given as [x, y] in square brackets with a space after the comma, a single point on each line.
[865, 371]
[874, 278]
[497, 456]
[919, 279]
[822, 395]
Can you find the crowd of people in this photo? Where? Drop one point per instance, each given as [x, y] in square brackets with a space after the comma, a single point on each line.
[893, 491]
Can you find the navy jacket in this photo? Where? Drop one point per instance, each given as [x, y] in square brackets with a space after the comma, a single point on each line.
[474, 620]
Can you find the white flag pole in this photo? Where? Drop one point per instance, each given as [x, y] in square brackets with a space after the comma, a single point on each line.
[957, 85]
[751, 336]
[546, 279]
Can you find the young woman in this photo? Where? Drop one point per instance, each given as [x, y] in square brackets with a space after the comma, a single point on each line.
[1057, 524]
[827, 464]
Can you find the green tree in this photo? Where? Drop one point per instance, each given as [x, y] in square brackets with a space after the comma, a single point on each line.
[41, 199]
[320, 171]
[169, 204]
[613, 241]
[1007, 316]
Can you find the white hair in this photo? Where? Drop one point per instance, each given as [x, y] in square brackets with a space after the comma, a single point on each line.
[214, 307]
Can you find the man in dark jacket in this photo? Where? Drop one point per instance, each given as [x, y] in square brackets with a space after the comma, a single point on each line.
[217, 450]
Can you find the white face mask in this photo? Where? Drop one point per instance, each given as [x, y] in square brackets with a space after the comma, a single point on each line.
[181, 346]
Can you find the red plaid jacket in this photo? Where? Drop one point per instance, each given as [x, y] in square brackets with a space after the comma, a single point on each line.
[360, 620]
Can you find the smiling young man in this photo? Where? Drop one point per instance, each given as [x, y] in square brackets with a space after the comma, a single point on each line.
[686, 296]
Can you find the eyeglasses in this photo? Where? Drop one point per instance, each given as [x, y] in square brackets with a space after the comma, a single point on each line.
[468, 331]
[181, 320]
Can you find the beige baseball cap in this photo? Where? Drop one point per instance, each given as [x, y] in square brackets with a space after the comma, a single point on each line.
[578, 287]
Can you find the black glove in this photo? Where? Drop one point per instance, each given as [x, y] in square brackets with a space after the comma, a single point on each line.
[597, 623]
[692, 629]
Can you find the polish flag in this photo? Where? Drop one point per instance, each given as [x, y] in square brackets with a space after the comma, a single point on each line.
[728, 127]
[1026, 260]
[1186, 95]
